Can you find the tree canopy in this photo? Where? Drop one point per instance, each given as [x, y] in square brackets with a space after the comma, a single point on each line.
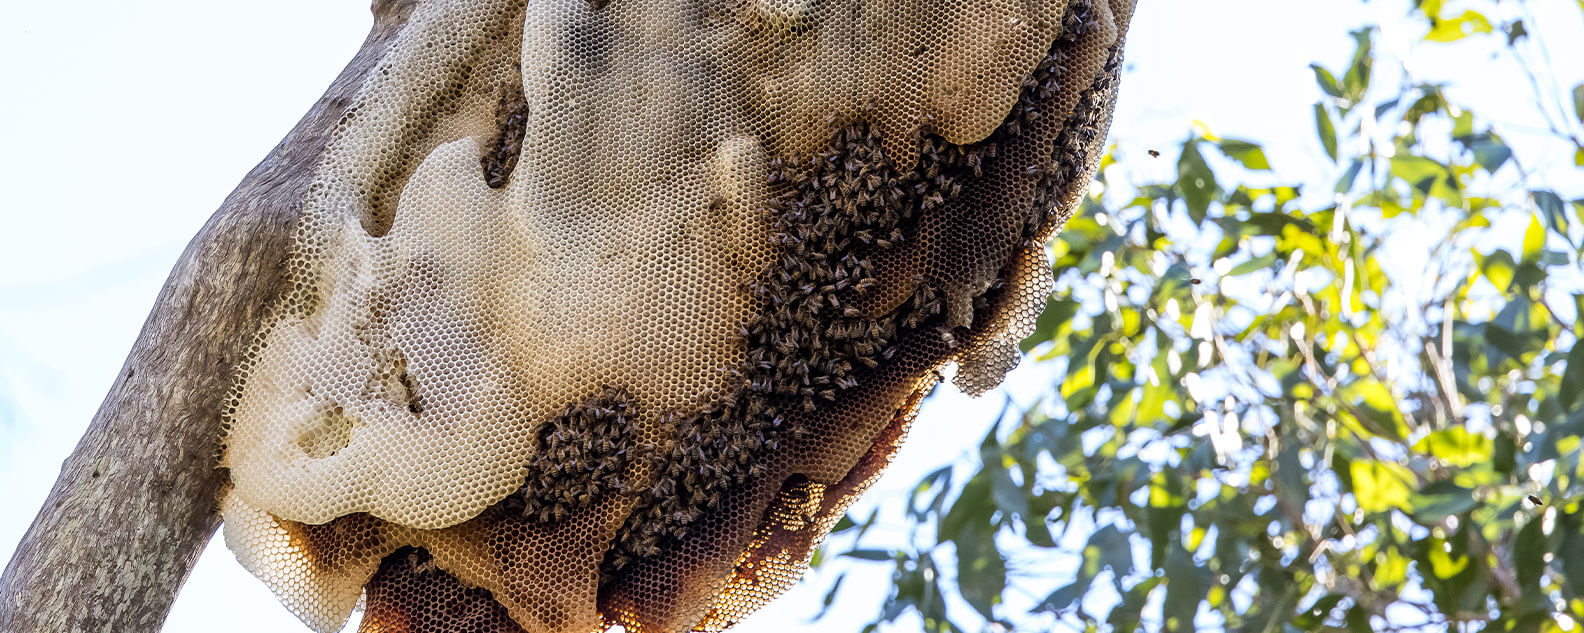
[1281, 404]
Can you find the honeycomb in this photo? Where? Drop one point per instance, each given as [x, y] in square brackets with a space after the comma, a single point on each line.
[603, 312]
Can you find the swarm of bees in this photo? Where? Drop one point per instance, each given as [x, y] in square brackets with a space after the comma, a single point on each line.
[511, 116]
[583, 453]
[845, 206]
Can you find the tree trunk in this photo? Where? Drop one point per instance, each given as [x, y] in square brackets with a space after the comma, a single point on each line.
[135, 502]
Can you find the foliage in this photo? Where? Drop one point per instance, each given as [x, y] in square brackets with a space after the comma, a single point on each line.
[1280, 405]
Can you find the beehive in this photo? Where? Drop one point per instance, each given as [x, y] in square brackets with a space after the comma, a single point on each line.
[603, 312]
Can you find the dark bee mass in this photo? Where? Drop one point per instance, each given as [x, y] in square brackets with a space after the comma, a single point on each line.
[582, 454]
[844, 207]
[410, 386]
[511, 117]
[811, 341]
[408, 589]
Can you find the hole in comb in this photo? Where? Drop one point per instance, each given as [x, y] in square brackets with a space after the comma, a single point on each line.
[329, 436]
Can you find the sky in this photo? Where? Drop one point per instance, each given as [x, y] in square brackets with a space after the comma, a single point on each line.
[127, 122]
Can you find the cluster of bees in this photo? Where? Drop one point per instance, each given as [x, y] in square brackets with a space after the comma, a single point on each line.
[511, 117]
[409, 589]
[1083, 132]
[843, 206]
[811, 341]
[582, 453]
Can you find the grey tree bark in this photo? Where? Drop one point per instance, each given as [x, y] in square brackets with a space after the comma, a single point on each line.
[135, 502]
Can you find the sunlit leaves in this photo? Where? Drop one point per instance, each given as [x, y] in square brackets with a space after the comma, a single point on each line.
[1380, 486]
[1259, 417]
[1533, 240]
[1456, 446]
[1455, 28]
[1249, 155]
[1428, 178]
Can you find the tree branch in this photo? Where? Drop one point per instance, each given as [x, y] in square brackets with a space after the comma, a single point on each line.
[135, 502]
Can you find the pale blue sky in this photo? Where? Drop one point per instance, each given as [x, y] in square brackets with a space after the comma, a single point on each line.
[127, 122]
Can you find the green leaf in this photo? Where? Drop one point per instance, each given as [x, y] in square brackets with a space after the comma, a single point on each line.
[1195, 181]
[1516, 31]
[1378, 405]
[1451, 30]
[1427, 177]
[1573, 377]
[1446, 559]
[1009, 498]
[1108, 548]
[1380, 486]
[939, 481]
[1358, 620]
[830, 597]
[1499, 268]
[1534, 240]
[1457, 446]
[973, 505]
[869, 554]
[1258, 263]
[843, 524]
[1578, 101]
[1345, 183]
[1316, 615]
[1571, 550]
[1440, 500]
[1355, 82]
[1326, 80]
[1328, 137]
[981, 572]
[1293, 485]
[1175, 282]
[1529, 550]
[1066, 596]
[1057, 313]
[1489, 151]
[1185, 589]
[1512, 332]
[1250, 155]
[1552, 209]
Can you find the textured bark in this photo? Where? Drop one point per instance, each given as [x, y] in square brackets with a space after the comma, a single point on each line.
[135, 502]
